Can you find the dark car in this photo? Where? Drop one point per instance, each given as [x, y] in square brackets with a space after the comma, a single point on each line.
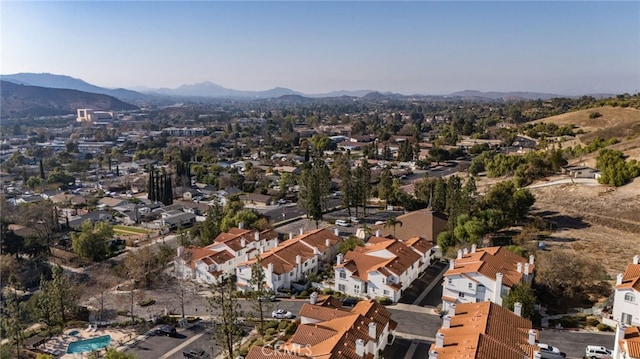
[196, 354]
[164, 329]
[349, 302]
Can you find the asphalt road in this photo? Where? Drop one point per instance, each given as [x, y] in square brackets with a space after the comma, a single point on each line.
[574, 343]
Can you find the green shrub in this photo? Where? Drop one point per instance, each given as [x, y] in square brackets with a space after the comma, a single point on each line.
[384, 300]
[282, 325]
[267, 337]
[147, 302]
[270, 331]
[328, 291]
[272, 324]
[291, 328]
[569, 322]
[595, 114]
[592, 322]
[304, 293]
[604, 328]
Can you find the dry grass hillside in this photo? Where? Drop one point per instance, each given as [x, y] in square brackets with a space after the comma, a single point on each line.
[598, 222]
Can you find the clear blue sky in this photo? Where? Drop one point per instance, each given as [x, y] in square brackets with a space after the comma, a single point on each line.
[429, 47]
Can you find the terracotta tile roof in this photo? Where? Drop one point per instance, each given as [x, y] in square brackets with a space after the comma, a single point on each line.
[322, 313]
[423, 223]
[384, 255]
[490, 261]
[419, 244]
[328, 301]
[631, 277]
[485, 330]
[307, 334]
[631, 342]
[283, 257]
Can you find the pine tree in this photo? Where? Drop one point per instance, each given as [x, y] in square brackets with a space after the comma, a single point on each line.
[42, 170]
[228, 331]
[151, 189]
[258, 292]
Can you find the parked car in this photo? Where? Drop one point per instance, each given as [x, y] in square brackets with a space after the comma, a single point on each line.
[196, 354]
[349, 302]
[342, 223]
[164, 329]
[549, 352]
[281, 314]
[267, 298]
[597, 352]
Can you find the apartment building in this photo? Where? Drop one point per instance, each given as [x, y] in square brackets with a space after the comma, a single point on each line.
[484, 274]
[326, 331]
[384, 267]
[292, 260]
[206, 264]
[626, 301]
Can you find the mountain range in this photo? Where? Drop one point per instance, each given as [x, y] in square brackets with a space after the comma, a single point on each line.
[208, 89]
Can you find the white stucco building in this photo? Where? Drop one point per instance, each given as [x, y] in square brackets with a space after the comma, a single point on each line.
[626, 302]
[484, 274]
[384, 267]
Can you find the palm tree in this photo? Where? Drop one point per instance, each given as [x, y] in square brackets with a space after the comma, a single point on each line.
[392, 222]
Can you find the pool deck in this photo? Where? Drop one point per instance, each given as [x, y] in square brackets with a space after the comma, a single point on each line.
[57, 345]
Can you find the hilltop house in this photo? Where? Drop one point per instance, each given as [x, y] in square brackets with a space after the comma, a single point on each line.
[384, 267]
[422, 223]
[293, 260]
[484, 274]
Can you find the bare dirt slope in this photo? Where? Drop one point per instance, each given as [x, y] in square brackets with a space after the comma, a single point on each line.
[599, 222]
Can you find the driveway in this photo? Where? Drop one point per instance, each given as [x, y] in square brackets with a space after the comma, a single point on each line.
[417, 288]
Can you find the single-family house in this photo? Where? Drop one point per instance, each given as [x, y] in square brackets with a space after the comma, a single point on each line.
[292, 260]
[256, 199]
[626, 301]
[484, 274]
[422, 223]
[384, 267]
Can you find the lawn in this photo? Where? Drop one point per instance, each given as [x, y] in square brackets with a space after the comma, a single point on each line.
[129, 230]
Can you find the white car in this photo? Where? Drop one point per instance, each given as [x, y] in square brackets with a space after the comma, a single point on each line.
[281, 314]
[597, 352]
[549, 352]
[342, 223]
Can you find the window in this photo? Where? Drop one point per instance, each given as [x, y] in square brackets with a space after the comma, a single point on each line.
[384, 280]
[356, 289]
[629, 297]
[386, 292]
[449, 281]
[343, 275]
[461, 295]
[291, 274]
[626, 318]
[341, 288]
[313, 260]
[470, 285]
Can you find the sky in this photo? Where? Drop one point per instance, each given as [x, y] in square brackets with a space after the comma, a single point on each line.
[408, 47]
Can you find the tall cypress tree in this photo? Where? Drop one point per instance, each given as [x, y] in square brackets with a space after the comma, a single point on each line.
[151, 192]
[41, 170]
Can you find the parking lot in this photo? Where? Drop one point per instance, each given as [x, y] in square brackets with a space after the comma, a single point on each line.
[434, 297]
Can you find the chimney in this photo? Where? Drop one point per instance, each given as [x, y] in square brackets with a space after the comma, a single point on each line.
[336, 232]
[339, 258]
[360, 347]
[378, 233]
[619, 278]
[180, 251]
[301, 231]
[261, 249]
[636, 259]
[459, 253]
[452, 264]
[270, 269]
[532, 259]
[327, 243]
[465, 251]
[620, 329]
[446, 324]
[526, 268]
[316, 251]
[440, 340]
[473, 248]
[537, 355]
[256, 236]
[241, 225]
[313, 298]
[452, 309]
[433, 354]
[298, 259]
[372, 330]
[290, 235]
[243, 242]
[532, 336]
[497, 293]
[519, 267]
[517, 308]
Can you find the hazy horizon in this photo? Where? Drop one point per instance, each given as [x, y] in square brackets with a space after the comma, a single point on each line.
[567, 48]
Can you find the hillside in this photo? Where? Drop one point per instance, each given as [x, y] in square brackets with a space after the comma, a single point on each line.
[18, 101]
[598, 222]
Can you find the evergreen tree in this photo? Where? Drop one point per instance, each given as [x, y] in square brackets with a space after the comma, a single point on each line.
[228, 331]
[385, 185]
[151, 189]
[58, 298]
[14, 318]
[258, 293]
[42, 170]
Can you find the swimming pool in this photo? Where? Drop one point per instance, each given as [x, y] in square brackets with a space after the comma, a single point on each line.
[89, 345]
